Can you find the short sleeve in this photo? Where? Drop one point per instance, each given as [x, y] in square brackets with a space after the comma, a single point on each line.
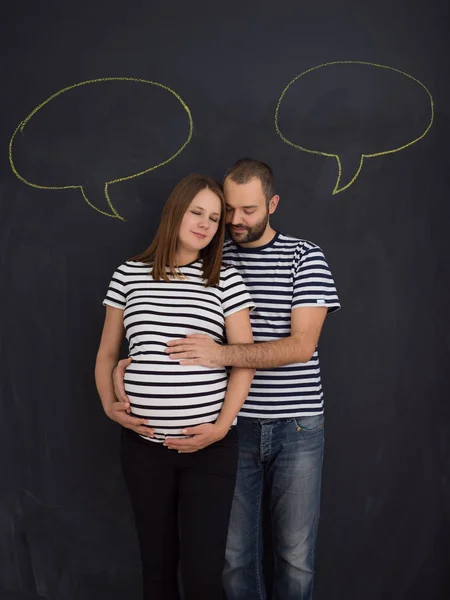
[313, 282]
[235, 295]
[116, 295]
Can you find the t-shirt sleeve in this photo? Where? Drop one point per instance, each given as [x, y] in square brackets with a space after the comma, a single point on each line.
[313, 282]
[235, 294]
[116, 295]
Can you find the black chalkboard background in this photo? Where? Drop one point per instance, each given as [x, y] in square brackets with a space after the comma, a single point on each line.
[65, 523]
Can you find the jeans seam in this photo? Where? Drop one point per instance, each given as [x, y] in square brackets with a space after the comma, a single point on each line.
[256, 554]
[316, 528]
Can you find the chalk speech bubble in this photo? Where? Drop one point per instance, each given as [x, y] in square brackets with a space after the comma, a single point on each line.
[333, 79]
[21, 127]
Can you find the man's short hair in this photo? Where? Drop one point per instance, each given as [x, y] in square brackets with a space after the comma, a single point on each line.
[246, 169]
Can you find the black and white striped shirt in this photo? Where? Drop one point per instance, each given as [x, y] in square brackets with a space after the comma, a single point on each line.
[283, 275]
[169, 395]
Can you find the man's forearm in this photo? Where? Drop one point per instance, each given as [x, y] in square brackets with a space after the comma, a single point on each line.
[267, 355]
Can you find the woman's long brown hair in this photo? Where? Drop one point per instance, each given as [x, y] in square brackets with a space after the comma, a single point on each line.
[162, 251]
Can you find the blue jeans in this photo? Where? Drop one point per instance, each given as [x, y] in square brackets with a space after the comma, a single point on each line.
[285, 457]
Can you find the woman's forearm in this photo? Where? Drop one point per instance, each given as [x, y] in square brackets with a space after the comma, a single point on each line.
[239, 383]
[103, 379]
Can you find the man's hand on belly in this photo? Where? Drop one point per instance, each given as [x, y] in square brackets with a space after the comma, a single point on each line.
[196, 349]
[201, 436]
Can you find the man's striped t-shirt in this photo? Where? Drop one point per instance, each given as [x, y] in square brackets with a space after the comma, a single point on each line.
[169, 395]
[281, 276]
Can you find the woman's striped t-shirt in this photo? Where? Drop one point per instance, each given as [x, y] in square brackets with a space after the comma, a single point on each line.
[169, 395]
[281, 276]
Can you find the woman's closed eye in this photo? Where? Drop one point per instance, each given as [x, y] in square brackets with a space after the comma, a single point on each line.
[194, 212]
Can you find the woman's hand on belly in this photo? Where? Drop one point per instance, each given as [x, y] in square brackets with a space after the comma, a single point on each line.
[118, 412]
[201, 436]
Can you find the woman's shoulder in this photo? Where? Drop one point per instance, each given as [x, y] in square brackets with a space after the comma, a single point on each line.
[135, 264]
[132, 267]
[228, 272]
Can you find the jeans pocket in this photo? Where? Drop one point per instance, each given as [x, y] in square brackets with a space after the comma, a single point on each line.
[309, 424]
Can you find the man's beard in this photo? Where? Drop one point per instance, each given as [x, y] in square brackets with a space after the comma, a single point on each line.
[252, 234]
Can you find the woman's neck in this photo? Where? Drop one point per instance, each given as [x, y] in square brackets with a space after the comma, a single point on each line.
[184, 257]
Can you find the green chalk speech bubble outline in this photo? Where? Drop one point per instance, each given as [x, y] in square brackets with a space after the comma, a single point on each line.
[337, 190]
[114, 214]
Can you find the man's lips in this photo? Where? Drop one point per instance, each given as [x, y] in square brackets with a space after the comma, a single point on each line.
[239, 229]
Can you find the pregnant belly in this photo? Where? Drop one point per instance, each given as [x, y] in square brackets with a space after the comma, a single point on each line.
[172, 402]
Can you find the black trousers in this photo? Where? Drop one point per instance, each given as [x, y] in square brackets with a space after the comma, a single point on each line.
[181, 505]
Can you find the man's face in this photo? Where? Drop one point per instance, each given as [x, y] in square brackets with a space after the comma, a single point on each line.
[247, 214]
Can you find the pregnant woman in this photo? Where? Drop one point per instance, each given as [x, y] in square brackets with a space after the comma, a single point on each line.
[178, 286]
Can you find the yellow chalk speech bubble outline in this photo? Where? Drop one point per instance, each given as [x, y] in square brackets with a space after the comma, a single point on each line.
[363, 156]
[115, 214]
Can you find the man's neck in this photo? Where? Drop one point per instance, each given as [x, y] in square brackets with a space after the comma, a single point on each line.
[265, 239]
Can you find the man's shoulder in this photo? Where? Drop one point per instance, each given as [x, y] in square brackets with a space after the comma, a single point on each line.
[296, 243]
[226, 270]
[228, 244]
[283, 242]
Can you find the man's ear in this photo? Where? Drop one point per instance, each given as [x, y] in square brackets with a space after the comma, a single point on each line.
[273, 203]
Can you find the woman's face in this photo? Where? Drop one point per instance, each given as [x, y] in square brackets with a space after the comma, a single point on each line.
[200, 222]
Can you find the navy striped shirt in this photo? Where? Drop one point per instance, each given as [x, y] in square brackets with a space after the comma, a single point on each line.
[285, 274]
